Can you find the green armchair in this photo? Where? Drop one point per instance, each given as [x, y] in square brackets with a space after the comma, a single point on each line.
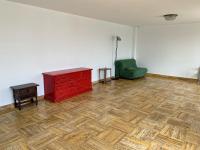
[128, 69]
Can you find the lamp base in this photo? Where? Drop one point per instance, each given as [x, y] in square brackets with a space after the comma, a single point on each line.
[115, 78]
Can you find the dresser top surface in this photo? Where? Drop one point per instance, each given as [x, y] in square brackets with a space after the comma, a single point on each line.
[66, 71]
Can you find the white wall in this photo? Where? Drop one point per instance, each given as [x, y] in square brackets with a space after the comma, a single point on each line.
[170, 49]
[35, 40]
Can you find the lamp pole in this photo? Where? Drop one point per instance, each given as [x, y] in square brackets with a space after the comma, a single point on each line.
[116, 51]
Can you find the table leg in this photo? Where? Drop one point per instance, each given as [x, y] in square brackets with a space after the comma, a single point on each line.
[99, 75]
[105, 75]
[36, 97]
[110, 74]
[15, 103]
[19, 104]
[36, 100]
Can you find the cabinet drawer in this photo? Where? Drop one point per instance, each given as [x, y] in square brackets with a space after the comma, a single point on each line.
[26, 93]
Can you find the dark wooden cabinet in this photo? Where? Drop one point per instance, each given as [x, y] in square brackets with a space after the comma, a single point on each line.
[24, 94]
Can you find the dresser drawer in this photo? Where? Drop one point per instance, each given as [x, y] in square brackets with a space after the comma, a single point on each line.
[86, 75]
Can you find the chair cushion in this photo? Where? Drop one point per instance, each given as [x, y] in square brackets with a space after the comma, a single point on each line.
[130, 68]
[139, 72]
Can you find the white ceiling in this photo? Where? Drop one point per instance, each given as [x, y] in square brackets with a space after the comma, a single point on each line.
[129, 12]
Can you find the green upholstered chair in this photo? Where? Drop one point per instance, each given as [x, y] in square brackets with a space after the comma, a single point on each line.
[128, 69]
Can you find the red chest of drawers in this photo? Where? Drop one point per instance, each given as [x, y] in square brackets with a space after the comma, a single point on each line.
[60, 85]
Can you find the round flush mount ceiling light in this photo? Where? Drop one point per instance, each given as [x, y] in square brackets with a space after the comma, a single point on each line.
[170, 17]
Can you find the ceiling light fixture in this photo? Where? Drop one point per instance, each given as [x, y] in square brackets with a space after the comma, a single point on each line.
[170, 17]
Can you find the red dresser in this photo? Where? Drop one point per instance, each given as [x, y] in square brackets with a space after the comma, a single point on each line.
[63, 84]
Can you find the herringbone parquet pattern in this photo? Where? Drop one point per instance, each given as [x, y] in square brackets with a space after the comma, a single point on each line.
[143, 114]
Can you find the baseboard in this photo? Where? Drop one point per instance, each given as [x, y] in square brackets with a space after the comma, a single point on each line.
[7, 107]
[109, 79]
[41, 97]
[11, 106]
[95, 82]
[171, 77]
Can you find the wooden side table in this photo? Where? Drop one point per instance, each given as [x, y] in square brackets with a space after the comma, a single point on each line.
[105, 79]
[24, 94]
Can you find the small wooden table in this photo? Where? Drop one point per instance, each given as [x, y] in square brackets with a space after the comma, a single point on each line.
[105, 79]
[25, 93]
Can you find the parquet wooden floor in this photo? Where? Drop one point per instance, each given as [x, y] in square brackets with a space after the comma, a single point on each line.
[144, 114]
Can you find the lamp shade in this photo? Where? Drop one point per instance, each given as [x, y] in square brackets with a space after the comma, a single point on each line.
[118, 38]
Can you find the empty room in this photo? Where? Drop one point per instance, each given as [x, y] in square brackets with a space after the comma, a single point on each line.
[100, 75]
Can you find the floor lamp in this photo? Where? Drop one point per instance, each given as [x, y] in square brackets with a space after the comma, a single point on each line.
[116, 51]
